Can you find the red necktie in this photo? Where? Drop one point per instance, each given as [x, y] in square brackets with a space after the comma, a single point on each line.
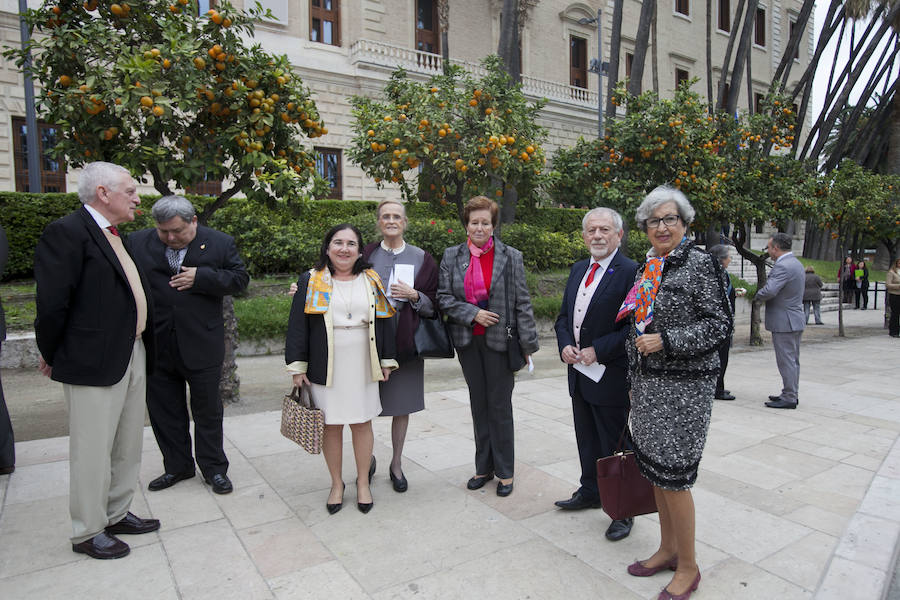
[590, 278]
[113, 230]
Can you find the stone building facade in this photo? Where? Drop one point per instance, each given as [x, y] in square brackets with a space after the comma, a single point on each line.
[343, 48]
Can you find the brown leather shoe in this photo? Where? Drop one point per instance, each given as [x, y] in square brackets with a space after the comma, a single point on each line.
[133, 525]
[102, 546]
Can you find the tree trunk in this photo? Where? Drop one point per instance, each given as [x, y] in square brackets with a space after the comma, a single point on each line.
[642, 40]
[654, 60]
[783, 71]
[615, 48]
[726, 62]
[741, 237]
[230, 385]
[709, 71]
[508, 48]
[740, 57]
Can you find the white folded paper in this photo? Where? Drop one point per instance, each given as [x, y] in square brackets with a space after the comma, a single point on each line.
[403, 273]
[593, 371]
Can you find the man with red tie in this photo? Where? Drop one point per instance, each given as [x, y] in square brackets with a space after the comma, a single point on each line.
[593, 346]
[95, 337]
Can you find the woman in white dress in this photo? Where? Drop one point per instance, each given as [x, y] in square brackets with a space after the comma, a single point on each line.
[341, 310]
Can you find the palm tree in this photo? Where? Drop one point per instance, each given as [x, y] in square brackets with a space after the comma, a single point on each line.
[641, 41]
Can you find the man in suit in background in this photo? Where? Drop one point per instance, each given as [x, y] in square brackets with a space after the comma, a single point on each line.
[783, 295]
[7, 441]
[190, 269]
[589, 339]
[95, 336]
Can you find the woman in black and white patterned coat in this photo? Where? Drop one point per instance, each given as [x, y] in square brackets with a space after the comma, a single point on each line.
[679, 316]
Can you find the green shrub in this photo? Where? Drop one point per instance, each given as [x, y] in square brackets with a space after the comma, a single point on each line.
[24, 217]
[544, 250]
[435, 235]
[637, 245]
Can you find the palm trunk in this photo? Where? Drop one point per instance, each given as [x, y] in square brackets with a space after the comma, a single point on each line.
[615, 48]
[740, 56]
[642, 40]
[726, 62]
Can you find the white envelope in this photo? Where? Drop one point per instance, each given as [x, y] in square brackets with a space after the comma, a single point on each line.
[593, 371]
[404, 273]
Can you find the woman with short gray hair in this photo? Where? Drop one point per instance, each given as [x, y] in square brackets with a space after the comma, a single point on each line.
[677, 316]
[663, 195]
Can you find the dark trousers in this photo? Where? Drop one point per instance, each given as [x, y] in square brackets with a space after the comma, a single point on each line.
[597, 431]
[7, 441]
[490, 396]
[894, 320]
[862, 294]
[167, 405]
[723, 364]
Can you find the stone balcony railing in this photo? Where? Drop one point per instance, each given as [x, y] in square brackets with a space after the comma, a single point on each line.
[380, 54]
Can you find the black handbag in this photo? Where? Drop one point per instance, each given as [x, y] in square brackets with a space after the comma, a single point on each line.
[514, 357]
[432, 339]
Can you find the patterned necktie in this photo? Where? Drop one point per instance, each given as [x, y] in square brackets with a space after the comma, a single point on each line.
[172, 257]
[590, 277]
[113, 230]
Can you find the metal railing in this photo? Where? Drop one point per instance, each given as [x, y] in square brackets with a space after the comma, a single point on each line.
[390, 56]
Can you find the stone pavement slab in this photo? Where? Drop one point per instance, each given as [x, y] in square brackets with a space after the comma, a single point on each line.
[790, 504]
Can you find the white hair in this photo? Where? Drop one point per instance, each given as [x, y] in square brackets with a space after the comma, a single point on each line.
[602, 210]
[96, 174]
[659, 196]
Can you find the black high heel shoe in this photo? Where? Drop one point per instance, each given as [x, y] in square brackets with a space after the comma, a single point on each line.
[400, 483]
[371, 469]
[333, 508]
[364, 507]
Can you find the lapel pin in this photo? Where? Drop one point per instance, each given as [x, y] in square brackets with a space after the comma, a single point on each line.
[203, 246]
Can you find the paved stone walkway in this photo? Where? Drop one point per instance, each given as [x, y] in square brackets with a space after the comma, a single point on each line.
[790, 504]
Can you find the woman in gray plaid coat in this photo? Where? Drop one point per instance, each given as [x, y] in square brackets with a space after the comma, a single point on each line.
[481, 288]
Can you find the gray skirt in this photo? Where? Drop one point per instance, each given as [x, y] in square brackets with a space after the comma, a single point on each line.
[404, 392]
[669, 421]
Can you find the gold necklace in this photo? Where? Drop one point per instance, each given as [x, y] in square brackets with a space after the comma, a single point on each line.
[343, 298]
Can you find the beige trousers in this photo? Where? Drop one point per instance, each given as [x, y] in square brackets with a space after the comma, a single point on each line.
[106, 434]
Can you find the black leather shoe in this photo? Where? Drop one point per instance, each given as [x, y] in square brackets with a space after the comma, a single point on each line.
[167, 480]
[371, 469]
[333, 508]
[220, 483]
[774, 398]
[780, 403]
[476, 483]
[724, 395]
[504, 489]
[400, 483]
[7, 470]
[578, 501]
[619, 529]
[132, 524]
[102, 546]
[365, 507]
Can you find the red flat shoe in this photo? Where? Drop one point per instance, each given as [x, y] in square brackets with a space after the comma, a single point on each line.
[667, 595]
[637, 568]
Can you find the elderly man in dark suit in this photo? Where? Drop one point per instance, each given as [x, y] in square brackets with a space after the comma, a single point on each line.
[593, 346]
[190, 269]
[783, 295]
[7, 441]
[95, 336]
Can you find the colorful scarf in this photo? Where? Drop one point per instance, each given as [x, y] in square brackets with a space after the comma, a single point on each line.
[318, 293]
[476, 291]
[642, 296]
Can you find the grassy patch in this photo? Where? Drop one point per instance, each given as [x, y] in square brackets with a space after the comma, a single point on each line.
[828, 269]
[262, 317]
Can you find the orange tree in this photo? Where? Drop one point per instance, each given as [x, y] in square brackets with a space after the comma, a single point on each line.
[451, 137]
[730, 168]
[152, 86]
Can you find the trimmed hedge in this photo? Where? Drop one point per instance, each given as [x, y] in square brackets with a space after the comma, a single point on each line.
[286, 238]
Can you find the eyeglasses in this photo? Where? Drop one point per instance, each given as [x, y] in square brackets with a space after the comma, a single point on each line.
[668, 220]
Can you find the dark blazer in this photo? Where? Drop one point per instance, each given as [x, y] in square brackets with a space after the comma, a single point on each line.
[86, 314]
[194, 314]
[518, 314]
[600, 330]
[307, 337]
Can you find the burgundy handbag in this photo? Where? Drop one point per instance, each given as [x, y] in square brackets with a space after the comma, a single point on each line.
[624, 492]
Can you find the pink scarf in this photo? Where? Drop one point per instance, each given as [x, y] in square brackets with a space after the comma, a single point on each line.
[476, 292]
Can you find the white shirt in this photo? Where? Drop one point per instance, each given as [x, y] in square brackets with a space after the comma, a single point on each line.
[102, 221]
[585, 294]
